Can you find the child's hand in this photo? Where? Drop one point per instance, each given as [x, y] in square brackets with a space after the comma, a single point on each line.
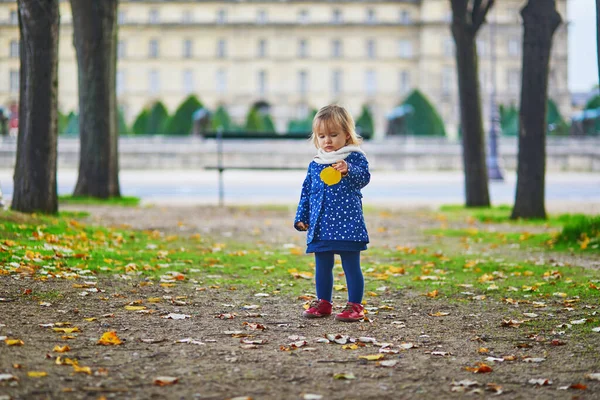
[341, 166]
[301, 226]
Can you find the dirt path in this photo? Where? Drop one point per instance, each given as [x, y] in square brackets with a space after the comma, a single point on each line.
[426, 358]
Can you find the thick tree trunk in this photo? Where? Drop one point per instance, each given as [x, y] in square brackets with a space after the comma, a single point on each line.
[95, 39]
[465, 25]
[540, 20]
[598, 37]
[35, 171]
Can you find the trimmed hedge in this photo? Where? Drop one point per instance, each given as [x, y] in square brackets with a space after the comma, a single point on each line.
[424, 120]
[364, 123]
[181, 122]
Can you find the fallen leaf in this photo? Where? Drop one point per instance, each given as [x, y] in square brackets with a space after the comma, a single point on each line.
[36, 374]
[347, 375]
[67, 330]
[81, 370]
[534, 359]
[14, 342]
[135, 308]
[540, 382]
[372, 357]
[481, 368]
[310, 396]
[387, 363]
[165, 380]
[594, 377]
[352, 346]
[439, 314]
[61, 349]
[7, 377]
[440, 353]
[109, 338]
[176, 316]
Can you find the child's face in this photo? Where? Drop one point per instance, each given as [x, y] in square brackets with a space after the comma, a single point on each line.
[331, 139]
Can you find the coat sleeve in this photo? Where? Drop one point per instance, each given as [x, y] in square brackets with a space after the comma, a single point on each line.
[303, 211]
[358, 171]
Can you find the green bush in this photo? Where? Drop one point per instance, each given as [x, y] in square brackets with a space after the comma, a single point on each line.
[158, 117]
[122, 124]
[72, 127]
[593, 103]
[424, 120]
[302, 125]
[509, 120]
[221, 118]
[181, 122]
[364, 123]
[258, 122]
[582, 229]
[140, 125]
[63, 121]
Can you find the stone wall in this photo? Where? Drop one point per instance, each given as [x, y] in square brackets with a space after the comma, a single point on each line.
[408, 154]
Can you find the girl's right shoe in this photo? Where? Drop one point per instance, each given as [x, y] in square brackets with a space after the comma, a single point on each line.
[318, 309]
[352, 313]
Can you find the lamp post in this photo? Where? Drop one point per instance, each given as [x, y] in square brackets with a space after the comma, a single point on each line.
[494, 171]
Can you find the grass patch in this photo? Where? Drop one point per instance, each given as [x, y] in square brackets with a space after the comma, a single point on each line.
[125, 201]
[47, 247]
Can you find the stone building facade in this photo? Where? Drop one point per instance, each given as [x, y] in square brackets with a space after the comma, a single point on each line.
[295, 55]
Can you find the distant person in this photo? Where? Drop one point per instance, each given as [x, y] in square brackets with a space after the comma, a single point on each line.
[330, 210]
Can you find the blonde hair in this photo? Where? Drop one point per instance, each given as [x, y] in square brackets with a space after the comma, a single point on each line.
[335, 118]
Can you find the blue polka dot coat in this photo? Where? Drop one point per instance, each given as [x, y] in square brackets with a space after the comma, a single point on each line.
[335, 212]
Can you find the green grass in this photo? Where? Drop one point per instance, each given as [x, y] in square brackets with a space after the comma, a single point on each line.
[46, 247]
[125, 201]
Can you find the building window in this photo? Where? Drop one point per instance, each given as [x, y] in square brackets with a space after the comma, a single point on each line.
[336, 17]
[221, 48]
[120, 82]
[404, 82]
[121, 17]
[153, 48]
[514, 80]
[188, 81]
[370, 82]
[221, 16]
[371, 16]
[262, 83]
[262, 17]
[447, 80]
[221, 81]
[514, 47]
[14, 81]
[405, 17]
[302, 82]
[154, 81]
[14, 17]
[262, 48]
[187, 17]
[302, 48]
[371, 50]
[336, 82]
[121, 49]
[14, 49]
[405, 48]
[482, 48]
[336, 48]
[153, 16]
[449, 47]
[303, 16]
[187, 48]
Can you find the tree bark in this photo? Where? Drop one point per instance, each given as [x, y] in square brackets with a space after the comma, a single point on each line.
[95, 40]
[466, 22]
[35, 170]
[598, 37]
[540, 20]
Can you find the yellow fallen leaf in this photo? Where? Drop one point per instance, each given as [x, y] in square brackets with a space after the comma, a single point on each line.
[439, 314]
[373, 357]
[14, 342]
[433, 294]
[66, 330]
[339, 288]
[61, 349]
[83, 370]
[109, 338]
[167, 284]
[344, 376]
[350, 346]
[154, 299]
[37, 374]
[65, 361]
[135, 308]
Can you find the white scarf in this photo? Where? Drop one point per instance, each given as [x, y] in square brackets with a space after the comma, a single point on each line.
[324, 157]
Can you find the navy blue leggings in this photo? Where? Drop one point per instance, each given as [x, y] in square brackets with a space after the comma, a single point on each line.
[351, 266]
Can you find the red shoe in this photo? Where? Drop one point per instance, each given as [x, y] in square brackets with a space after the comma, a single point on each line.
[352, 313]
[318, 309]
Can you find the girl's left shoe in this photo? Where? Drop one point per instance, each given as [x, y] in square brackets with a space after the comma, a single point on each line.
[352, 313]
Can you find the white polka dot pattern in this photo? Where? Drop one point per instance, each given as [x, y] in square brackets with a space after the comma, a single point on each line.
[335, 212]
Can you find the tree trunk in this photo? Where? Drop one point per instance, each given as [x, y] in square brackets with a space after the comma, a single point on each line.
[95, 39]
[598, 37]
[465, 25]
[35, 171]
[540, 20]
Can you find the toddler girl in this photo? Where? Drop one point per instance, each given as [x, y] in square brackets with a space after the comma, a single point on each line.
[330, 210]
